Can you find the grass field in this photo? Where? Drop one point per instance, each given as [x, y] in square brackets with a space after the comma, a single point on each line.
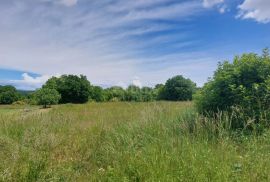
[160, 141]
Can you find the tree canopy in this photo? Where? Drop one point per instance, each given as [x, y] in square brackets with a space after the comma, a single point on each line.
[72, 88]
[244, 83]
[8, 94]
[178, 88]
[47, 97]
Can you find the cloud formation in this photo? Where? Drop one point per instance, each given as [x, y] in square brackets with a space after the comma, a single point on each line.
[109, 41]
[259, 10]
[27, 82]
[211, 3]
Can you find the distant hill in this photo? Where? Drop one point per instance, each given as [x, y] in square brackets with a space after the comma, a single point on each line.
[25, 92]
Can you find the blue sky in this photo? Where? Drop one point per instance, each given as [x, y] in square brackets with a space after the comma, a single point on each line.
[119, 42]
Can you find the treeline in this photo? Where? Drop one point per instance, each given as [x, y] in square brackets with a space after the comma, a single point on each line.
[240, 88]
[77, 89]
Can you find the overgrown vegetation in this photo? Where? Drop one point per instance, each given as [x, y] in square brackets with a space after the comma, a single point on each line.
[242, 86]
[160, 141]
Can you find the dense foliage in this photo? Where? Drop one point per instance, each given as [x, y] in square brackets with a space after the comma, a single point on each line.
[72, 88]
[47, 97]
[97, 94]
[115, 94]
[77, 89]
[243, 84]
[178, 88]
[8, 95]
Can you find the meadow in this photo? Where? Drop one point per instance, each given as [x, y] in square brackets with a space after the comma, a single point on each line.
[121, 141]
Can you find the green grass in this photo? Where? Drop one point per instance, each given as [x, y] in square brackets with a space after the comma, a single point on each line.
[162, 141]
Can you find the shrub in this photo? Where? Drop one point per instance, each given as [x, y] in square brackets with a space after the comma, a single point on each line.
[19, 103]
[47, 97]
[242, 84]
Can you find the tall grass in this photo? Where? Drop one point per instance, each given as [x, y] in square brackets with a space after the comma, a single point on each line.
[162, 141]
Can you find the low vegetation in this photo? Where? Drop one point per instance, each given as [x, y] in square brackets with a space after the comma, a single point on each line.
[163, 141]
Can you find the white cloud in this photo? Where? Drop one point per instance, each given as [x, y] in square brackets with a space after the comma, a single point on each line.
[223, 9]
[27, 82]
[211, 3]
[258, 10]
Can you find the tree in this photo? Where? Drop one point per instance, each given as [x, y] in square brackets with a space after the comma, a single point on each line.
[97, 94]
[159, 92]
[147, 94]
[244, 83]
[52, 83]
[115, 93]
[178, 88]
[47, 97]
[133, 93]
[73, 89]
[8, 95]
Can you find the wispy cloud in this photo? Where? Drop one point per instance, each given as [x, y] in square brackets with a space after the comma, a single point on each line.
[101, 39]
[211, 3]
[109, 41]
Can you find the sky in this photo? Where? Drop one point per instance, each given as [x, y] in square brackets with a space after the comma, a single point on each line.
[122, 42]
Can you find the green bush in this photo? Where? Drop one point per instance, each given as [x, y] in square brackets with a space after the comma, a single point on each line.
[8, 95]
[243, 84]
[19, 103]
[47, 97]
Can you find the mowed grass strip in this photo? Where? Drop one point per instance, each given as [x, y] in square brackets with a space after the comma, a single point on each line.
[124, 142]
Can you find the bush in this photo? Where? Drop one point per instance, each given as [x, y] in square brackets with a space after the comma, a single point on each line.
[19, 103]
[47, 97]
[178, 88]
[242, 84]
